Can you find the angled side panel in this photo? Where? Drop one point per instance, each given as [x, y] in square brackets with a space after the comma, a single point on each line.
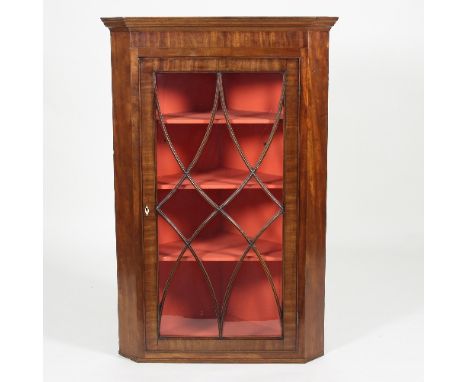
[313, 182]
[127, 200]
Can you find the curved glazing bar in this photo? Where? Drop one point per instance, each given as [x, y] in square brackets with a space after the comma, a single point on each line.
[220, 310]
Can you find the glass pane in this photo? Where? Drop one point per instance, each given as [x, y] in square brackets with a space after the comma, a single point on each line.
[219, 155]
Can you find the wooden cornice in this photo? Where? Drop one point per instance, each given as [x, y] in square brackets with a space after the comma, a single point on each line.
[136, 24]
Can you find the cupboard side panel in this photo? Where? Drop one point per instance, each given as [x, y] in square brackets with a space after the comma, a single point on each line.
[127, 200]
[313, 170]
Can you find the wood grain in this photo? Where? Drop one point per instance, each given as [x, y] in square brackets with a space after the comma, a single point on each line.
[127, 201]
[312, 189]
[147, 67]
[298, 46]
[213, 23]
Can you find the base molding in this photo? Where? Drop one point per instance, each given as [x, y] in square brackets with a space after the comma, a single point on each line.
[155, 357]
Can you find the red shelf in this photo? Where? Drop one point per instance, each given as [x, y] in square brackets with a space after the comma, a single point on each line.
[266, 328]
[185, 102]
[239, 117]
[222, 247]
[223, 178]
[176, 326]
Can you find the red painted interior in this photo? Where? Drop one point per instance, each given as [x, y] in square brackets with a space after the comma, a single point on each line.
[186, 101]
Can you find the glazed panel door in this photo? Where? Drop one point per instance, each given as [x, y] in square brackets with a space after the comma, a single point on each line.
[219, 162]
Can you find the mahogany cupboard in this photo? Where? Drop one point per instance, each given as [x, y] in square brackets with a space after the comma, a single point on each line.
[220, 151]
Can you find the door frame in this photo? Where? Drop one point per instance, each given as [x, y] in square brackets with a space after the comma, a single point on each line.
[146, 67]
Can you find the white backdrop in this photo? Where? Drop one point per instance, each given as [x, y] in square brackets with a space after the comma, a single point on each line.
[375, 194]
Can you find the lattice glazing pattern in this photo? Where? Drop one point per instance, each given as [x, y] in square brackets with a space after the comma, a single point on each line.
[220, 306]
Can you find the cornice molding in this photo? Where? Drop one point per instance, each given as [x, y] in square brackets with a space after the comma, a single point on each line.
[217, 23]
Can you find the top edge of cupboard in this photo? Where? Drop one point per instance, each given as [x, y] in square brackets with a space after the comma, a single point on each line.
[136, 24]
